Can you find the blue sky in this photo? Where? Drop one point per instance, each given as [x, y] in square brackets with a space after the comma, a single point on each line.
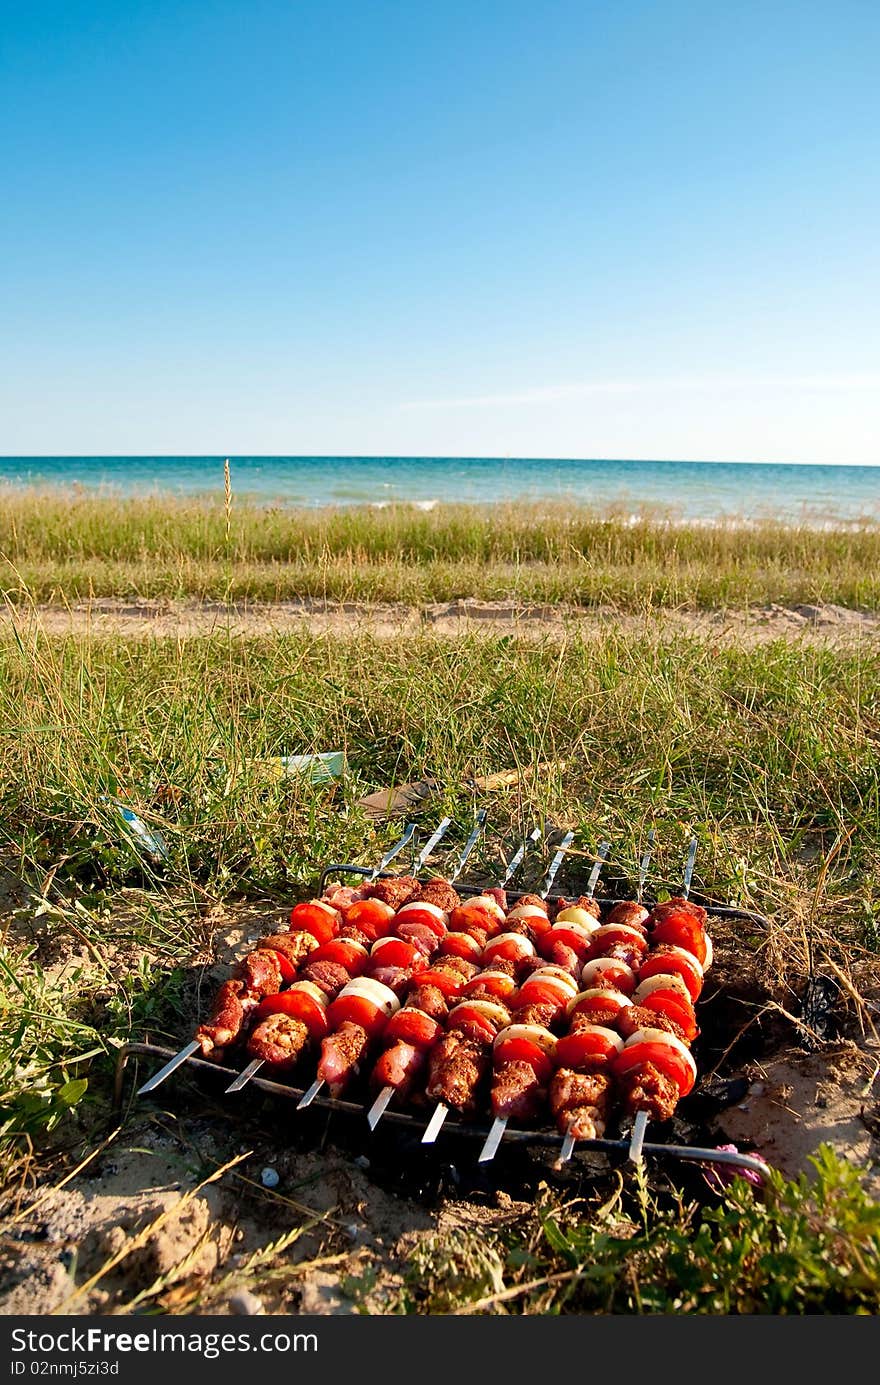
[574, 229]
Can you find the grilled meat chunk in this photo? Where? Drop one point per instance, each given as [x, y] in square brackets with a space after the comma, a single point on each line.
[636, 1017]
[278, 1040]
[395, 891]
[440, 893]
[399, 1067]
[516, 1092]
[260, 973]
[456, 1067]
[580, 1101]
[330, 977]
[293, 946]
[677, 905]
[429, 1000]
[630, 913]
[341, 1055]
[232, 1005]
[647, 1089]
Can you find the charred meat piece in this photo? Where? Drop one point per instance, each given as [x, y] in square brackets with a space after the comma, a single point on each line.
[278, 1040]
[537, 1014]
[330, 977]
[636, 1017]
[677, 905]
[580, 1101]
[440, 893]
[293, 946]
[647, 1089]
[260, 973]
[457, 1066]
[532, 899]
[516, 1092]
[232, 1005]
[630, 913]
[396, 891]
[354, 934]
[399, 1067]
[341, 1055]
[429, 1000]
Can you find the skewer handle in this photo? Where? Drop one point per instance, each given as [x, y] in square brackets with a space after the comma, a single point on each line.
[516, 859]
[689, 867]
[432, 841]
[469, 845]
[173, 1063]
[393, 851]
[245, 1075]
[604, 848]
[643, 866]
[555, 864]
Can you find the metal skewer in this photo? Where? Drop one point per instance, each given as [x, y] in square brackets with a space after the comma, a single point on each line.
[308, 1097]
[469, 845]
[441, 1110]
[393, 851]
[383, 1100]
[499, 1124]
[245, 1075]
[604, 848]
[689, 868]
[569, 1140]
[173, 1063]
[640, 1124]
[556, 863]
[643, 866]
[432, 841]
[516, 859]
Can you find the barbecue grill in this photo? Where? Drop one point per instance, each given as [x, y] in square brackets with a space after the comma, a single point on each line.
[630, 1144]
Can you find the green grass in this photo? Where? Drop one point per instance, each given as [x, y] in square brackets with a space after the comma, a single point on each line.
[57, 547]
[804, 1246]
[770, 755]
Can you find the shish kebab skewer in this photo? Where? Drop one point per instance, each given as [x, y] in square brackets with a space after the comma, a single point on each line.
[640, 1123]
[350, 1038]
[570, 1138]
[380, 1105]
[302, 1003]
[194, 1045]
[499, 1125]
[411, 1034]
[441, 1110]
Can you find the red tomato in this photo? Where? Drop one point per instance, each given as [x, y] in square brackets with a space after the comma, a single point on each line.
[285, 966]
[572, 937]
[683, 930]
[443, 980]
[356, 1009]
[413, 914]
[466, 916]
[344, 952]
[469, 1017]
[592, 1048]
[536, 990]
[397, 952]
[675, 1008]
[300, 1005]
[460, 945]
[318, 919]
[682, 964]
[521, 1051]
[496, 983]
[411, 1026]
[662, 1056]
[370, 917]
